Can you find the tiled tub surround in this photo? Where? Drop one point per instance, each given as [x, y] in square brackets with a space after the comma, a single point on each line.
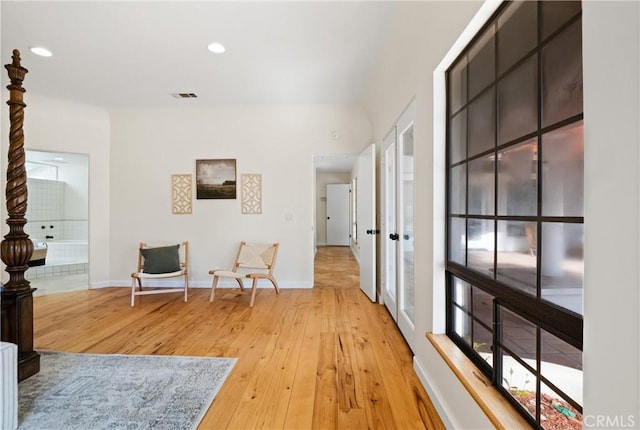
[48, 271]
[67, 251]
[64, 257]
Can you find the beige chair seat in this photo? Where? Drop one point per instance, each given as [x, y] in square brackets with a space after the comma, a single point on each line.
[226, 274]
[252, 256]
[159, 275]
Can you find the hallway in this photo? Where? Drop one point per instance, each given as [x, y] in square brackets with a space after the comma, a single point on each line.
[336, 267]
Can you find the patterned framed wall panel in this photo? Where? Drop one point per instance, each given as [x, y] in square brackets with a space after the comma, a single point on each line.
[182, 194]
[251, 193]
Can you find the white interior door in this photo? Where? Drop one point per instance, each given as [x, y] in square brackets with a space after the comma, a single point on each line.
[397, 224]
[338, 214]
[366, 220]
[389, 224]
[405, 234]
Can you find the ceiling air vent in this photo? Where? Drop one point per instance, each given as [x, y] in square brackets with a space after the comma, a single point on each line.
[184, 95]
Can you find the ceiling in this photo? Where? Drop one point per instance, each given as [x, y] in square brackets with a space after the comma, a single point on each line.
[338, 163]
[136, 54]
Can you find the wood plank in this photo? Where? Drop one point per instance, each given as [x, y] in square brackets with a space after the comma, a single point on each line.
[325, 406]
[301, 405]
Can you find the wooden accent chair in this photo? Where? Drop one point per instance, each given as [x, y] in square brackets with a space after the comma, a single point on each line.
[251, 256]
[160, 262]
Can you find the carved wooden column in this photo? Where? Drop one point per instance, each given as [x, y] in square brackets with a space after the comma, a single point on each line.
[16, 248]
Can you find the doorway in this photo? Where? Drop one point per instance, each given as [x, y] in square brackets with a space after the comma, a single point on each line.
[329, 170]
[359, 171]
[58, 221]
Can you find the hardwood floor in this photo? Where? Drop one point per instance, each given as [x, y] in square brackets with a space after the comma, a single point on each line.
[322, 358]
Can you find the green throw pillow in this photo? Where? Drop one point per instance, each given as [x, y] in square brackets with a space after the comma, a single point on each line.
[164, 259]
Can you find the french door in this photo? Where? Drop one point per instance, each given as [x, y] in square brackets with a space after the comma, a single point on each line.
[389, 224]
[398, 224]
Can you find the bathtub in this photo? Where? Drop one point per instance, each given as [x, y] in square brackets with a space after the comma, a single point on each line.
[67, 251]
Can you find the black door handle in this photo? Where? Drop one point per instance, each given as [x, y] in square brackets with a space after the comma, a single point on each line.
[373, 231]
[394, 236]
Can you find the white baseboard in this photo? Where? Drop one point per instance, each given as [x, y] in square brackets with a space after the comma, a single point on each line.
[433, 395]
[203, 284]
[100, 284]
[355, 254]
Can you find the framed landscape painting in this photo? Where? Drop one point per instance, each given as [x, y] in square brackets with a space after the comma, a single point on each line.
[216, 179]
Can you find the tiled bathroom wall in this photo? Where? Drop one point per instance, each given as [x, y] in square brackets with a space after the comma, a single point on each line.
[45, 213]
[67, 239]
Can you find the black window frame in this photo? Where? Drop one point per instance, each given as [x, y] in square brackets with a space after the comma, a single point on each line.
[544, 315]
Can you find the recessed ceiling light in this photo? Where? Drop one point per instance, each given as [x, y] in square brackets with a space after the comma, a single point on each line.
[216, 48]
[41, 51]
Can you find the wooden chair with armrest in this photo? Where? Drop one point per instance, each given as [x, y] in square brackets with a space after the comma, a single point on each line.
[250, 256]
[161, 262]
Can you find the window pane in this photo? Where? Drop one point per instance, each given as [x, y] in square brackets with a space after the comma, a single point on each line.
[561, 364]
[407, 237]
[481, 186]
[457, 190]
[517, 33]
[482, 63]
[37, 170]
[483, 342]
[556, 13]
[461, 293]
[518, 180]
[518, 102]
[482, 124]
[462, 324]
[563, 171]
[457, 237]
[482, 306]
[516, 257]
[458, 86]
[563, 264]
[556, 351]
[458, 139]
[557, 411]
[562, 76]
[481, 245]
[519, 335]
[520, 383]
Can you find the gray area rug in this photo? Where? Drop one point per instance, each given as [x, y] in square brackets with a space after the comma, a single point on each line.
[132, 392]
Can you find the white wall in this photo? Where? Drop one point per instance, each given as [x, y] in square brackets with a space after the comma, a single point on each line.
[62, 126]
[149, 145]
[611, 50]
[322, 180]
[612, 199]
